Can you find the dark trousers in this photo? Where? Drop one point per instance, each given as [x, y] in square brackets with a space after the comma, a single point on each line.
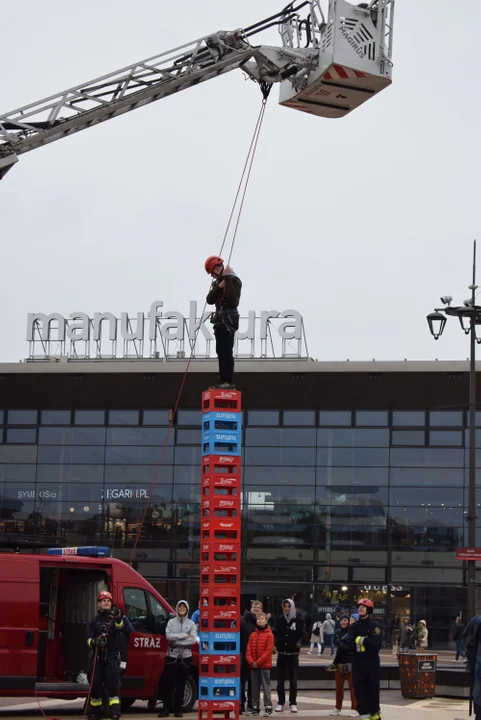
[287, 670]
[106, 675]
[245, 684]
[366, 689]
[174, 678]
[224, 347]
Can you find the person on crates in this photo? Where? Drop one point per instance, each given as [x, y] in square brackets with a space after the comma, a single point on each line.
[225, 294]
[342, 664]
[289, 635]
[107, 635]
[364, 639]
[247, 627]
[317, 637]
[181, 634]
[259, 658]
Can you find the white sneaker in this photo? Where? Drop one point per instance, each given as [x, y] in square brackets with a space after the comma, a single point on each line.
[335, 712]
[353, 713]
[279, 708]
[309, 652]
[293, 708]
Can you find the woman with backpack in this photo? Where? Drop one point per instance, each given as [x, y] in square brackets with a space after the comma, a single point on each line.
[317, 637]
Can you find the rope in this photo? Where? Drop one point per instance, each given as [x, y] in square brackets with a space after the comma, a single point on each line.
[246, 173]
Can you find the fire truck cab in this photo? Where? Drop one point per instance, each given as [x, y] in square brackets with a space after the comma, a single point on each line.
[46, 602]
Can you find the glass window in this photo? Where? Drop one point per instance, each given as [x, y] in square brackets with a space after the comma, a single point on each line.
[22, 417]
[426, 496]
[405, 477]
[441, 517]
[17, 473]
[272, 496]
[22, 435]
[299, 418]
[123, 417]
[287, 437]
[189, 417]
[85, 454]
[89, 417]
[187, 474]
[139, 474]
[156, 417]
[409, 418]
[352, 438]
[2, 417]
[446, 418]
[188, 455]
[189, 437]
[140, 436]
[333, 418]
[408, 437]
[136, 609]
[427, 457]
[280, 456]
[12, 454]
[55, 417]
[138, 455]
[75, 474]
[355, 476]
[71, 436]
[186, 494]
[353, 457]
[354, 515]
[446, 437]
[263, 417]
[371, 418]
[267, 475]
[159, 614]
[352, 495]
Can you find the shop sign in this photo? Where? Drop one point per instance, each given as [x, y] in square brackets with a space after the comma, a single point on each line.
[426, 666]
[468, 554]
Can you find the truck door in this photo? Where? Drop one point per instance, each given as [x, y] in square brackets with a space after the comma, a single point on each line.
[19, 623]
[148, 645]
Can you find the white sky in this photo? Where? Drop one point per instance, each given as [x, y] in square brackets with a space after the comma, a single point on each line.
[360, 223]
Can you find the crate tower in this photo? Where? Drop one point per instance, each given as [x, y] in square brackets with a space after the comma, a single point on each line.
[220, 552]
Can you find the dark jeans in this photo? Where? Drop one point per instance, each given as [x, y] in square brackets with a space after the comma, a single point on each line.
[459, 649]
[107, 675]
[366, 690]
[245, 684]
[224, 347]
[328, 642]
[287, 669]
[174, 678]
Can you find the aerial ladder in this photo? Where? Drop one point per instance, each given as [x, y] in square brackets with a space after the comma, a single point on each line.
[334, 56]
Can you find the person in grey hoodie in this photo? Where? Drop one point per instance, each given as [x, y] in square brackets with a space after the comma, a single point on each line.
[329, 627]
[181, 634]
[289, 633]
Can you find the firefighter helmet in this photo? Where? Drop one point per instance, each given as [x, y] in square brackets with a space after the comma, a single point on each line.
[211, 262]
[104, 595]
[369, 605]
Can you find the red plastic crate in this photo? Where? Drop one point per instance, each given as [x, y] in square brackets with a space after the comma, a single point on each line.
[215, 619]
[218, 503]
[219, 665]
[221, 529]
[220, 596]
[209, 490]
[221, 481]
[226, 465]
[215, 399]
[215, 710]
[221, 557]
[222, 574]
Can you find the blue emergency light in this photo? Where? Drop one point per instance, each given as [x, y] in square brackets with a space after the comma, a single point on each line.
[87, 551]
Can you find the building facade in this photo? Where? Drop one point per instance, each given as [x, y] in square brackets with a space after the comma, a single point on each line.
[354, 477]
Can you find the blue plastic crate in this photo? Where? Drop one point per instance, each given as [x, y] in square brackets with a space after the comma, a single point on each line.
[221, 443]
[217, 421]
[219, 643]
[219, 688]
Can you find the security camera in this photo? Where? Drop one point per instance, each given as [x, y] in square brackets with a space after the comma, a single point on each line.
[447, 299]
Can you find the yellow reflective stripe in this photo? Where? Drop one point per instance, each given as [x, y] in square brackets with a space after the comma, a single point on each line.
[96, 702]
[114, 701]
[89, 642]
[119, 625]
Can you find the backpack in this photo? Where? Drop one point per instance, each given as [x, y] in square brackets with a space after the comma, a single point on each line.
[316, 630]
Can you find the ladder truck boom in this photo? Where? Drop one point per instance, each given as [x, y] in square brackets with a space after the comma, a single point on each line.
[328, 64]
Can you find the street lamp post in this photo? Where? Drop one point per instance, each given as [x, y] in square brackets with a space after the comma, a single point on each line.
[469, 315]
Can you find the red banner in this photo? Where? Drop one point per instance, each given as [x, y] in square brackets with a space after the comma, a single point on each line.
[468, 554]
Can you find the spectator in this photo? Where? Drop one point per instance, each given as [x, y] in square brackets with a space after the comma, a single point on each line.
[317, 637]
[406, 634]
[196, 616]
[422, 636]
[328, 626]
[247, 627]
[288, 634]
[457, 635]
[342, 665]
[259, 658]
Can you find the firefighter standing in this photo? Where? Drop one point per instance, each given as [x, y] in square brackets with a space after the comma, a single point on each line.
[107, 634]
[365, 638]
[225, 294]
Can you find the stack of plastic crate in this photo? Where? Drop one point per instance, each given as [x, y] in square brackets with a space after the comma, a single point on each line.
[220, 572]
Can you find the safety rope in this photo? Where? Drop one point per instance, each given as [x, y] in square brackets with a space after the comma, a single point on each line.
[246, 173]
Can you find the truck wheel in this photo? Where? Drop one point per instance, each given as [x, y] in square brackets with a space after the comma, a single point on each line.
[126, 703]
[190, 694]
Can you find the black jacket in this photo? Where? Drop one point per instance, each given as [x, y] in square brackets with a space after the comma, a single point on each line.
[458, 631]
[247, 627]
[371, 631]
[289, 634]
[344, 651]
[118, 632]
[226, 301]
[470, 640]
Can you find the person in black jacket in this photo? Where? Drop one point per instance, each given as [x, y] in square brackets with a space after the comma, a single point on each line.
[364, 639]
[342, 663]
[247, 627]
[457, 635]
[225, 294]
[107, 635]
[471, 641]
[289, 634]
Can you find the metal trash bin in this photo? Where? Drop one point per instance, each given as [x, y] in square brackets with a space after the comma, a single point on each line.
[417, 673]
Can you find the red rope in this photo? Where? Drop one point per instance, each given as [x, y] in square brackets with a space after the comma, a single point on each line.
[247, 169]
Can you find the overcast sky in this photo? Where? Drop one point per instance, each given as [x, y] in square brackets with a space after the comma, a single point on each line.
[359, 223]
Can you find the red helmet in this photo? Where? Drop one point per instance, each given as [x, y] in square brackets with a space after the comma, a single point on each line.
[104, 595]
[367, 603]
[211, 262]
